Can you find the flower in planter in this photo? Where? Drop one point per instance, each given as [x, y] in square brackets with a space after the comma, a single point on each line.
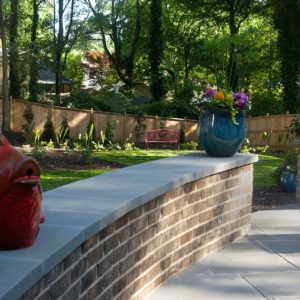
[241, 100]
[216, 98]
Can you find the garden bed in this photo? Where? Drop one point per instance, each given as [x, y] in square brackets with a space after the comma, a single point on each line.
[263, 197]
[57, 159]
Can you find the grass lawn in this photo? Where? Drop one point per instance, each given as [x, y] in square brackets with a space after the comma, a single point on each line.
[52, 179]
[263, 170]
[55, 178]
[137, 156]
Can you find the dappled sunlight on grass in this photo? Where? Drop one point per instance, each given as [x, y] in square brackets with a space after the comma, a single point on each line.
[138, 156]
[51, 179]
[263, 170]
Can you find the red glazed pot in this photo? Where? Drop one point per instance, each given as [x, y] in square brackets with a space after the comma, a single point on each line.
[20, 198]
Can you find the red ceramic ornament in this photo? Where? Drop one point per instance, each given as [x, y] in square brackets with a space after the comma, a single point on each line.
[20, 198]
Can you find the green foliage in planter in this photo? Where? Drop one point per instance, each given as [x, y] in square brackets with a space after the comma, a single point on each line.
[49, 131]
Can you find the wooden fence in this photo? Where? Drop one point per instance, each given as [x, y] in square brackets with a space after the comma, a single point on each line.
[270, 130]
[263, 130]
[78, 121]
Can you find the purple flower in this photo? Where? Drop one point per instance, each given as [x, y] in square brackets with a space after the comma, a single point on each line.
[209, 93]
[241, 99]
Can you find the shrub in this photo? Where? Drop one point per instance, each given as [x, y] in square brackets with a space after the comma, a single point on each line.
[64, 131]
[91, 131]
[28, 127]
[49, 131]
[294, 128]
[110, 132]
[189, 146]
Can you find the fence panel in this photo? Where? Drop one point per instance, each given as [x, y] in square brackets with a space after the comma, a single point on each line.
[270, 130]
[263, 130]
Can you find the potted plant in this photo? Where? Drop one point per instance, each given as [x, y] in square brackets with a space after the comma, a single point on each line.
[222, 121]
[286, 174]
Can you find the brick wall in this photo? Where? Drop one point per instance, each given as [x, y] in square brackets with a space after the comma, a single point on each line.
[139, 251]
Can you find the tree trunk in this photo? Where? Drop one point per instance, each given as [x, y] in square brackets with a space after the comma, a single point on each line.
[33, 72]
[232, 77]
[286, 19]
[6, 101]
[59, 49]
[156, 50]
[15, 86]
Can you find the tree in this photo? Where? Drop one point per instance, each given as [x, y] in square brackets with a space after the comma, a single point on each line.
[6, 102]
[186, 30]
[233, 13]
[15, 85]
[117, 24]
[67, 27]
[33, 72]
[286, 19]
[156, 50]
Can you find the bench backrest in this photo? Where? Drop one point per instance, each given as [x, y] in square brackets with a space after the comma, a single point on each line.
[162, 135]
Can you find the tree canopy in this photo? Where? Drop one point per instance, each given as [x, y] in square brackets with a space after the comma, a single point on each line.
[170, 49]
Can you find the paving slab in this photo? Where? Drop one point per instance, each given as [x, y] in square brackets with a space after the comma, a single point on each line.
[263, 265]
[282, 233]
[290, 251]
[244, 257]
[286, 298]
[208, 287]
[276, 284]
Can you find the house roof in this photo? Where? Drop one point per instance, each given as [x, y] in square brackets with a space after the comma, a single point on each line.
[48, 77]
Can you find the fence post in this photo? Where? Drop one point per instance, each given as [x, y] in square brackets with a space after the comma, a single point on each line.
[10, 111]
[52, 112]
[156, 121]
[124, 127]
[184, 128]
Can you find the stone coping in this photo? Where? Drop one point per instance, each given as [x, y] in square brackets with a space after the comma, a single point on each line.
[76, 211]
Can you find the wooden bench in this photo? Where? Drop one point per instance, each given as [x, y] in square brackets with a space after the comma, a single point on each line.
[162, 136]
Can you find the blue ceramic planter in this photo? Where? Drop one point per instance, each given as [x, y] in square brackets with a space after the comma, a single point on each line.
[288, 181]
[218, 135]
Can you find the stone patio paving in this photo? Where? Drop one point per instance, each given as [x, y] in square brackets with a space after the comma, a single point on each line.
[263, 265]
